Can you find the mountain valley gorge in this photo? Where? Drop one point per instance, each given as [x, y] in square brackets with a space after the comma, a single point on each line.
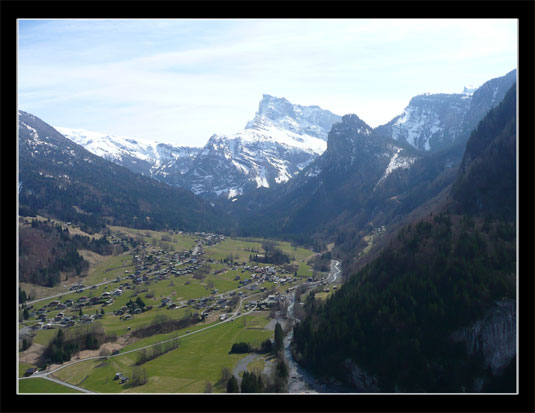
[420, 211]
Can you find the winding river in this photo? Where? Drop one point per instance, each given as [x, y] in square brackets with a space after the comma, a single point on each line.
[299, 379]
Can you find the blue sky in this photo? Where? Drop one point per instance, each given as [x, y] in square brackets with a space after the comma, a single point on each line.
[179, 81]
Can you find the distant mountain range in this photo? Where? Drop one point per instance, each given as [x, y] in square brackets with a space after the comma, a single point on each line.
[302, 170]
[61, 179]
[155, 159]
[284, 138]
[273, 147]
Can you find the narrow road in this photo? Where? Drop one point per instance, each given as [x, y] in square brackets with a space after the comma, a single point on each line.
[67, 384]
[242, 365]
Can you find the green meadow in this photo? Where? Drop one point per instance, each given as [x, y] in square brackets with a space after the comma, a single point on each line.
[38, 385]
[199, 358]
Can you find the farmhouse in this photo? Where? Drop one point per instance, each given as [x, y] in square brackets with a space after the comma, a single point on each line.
[30, 371]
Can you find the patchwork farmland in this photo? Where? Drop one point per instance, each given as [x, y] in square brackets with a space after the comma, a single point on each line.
[163, 314]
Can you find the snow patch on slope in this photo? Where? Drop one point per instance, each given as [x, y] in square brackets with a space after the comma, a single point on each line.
[416, 126]
[396, 162]
[267, 132]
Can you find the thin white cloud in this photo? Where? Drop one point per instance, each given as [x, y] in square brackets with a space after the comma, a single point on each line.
[183, 80]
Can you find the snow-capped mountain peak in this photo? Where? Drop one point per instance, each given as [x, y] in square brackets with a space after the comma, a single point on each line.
[111, 146]
[432, 122]
[144, 156]
[274, 146]
[301, 120]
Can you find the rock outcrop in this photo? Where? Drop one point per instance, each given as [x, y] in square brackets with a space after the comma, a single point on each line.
[494, 336]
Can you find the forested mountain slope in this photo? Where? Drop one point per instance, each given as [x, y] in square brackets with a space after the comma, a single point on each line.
[435, 311]
[61, 179]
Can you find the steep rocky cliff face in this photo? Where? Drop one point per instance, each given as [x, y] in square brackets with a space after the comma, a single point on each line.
[494, 336]
[274, 147]
[432, 122]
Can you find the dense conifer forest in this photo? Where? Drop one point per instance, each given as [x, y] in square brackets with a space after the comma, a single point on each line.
[394, 317]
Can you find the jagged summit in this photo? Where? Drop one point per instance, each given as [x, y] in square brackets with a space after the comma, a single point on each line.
[354, 122]
[275, 108]
[301, 120]
[275, 145]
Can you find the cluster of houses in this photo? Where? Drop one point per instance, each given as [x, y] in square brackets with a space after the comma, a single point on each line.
[122, 240]
[161, 265]
[61, 320]
[265, 274]
[126, 312]
[210, 304]
[167, 302]
[274, 274]
[209, 238]
[158, 265]
[264, 304]
[121, 377]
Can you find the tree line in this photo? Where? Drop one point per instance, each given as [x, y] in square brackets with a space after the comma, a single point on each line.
[65, 344]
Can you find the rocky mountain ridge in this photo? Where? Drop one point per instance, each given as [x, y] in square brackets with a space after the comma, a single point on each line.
[432, 122]
[274, 147]
[277, 144]
[155, 159]
[283, 139]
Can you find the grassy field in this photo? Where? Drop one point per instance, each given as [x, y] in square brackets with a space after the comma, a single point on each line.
[179, 241]
[38, 385]
[198, 359]
[44, 336]
[238, 248]
[257, 365]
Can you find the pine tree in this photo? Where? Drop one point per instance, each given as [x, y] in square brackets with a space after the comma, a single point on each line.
[232, 385]
[279, 338]
[22, 296]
